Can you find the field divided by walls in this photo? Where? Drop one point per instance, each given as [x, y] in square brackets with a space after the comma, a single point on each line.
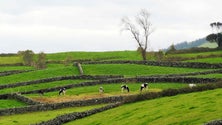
[161, 76]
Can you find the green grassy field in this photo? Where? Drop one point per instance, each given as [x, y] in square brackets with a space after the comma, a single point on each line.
[193, 108]
[208, 76]
[208, 60]
[36, 117]
[112, 55]
[134, 70]
[39, 74]
[189, 55]
[10, 103]
[9, 68]
[40, 86]
[10, 60]
[112, 89]
[99, 69]
[109, 55]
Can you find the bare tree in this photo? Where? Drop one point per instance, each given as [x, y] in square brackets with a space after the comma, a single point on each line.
[140, 29]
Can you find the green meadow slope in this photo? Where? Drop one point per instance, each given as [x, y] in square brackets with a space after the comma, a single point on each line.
[193, 108]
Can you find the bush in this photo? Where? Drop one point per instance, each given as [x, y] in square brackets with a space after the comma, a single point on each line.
[27, 56]
[41, 62]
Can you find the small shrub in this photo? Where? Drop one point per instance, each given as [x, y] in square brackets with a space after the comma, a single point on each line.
[27, 56]
[41, 62]
[68, 60]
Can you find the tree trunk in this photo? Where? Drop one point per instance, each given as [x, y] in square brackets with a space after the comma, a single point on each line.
[220, 44]
[143, 52]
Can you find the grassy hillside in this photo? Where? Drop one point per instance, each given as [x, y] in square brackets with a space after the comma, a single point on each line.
[198, 107]
[115, 55]
[10, 60]
[39, 74]
[216, 75]
[134, 70]
[198, 54]
[89, 92]
[109, 55]
[194, 108]
[208, 60]
[10, 103]
[35, 117]
[40, 86]
[9, 68]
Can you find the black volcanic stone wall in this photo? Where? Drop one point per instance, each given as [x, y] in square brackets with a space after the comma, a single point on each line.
[129, 99]
[15, 64]
[19, 98]
[59, 120]
[134, 79]
[6, 73]
[113, 99]
[215, 122]
[24, 99]
[45, 107]
[87, 77]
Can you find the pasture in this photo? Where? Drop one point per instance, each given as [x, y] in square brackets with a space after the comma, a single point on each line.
[214, 60]
[10, 60]
[169, 110]
[191, 108]
[39, 74]
[34, 117]
[10, 103]
[39, 86]
[89, 92]
[134, 70]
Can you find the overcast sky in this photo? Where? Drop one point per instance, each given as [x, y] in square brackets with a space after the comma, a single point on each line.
[94, 25]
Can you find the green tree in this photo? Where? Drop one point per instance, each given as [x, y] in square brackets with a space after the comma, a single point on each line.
[216, 37]
[172, 48]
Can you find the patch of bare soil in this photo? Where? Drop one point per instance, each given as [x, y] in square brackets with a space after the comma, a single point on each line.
[66, 98]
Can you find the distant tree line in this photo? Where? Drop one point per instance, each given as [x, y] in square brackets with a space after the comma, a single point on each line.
[187, 45]
[28, 57]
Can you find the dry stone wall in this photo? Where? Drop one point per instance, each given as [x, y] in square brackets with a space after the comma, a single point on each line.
[129, 99]
[87, 77]
[6, 73]
[215, 122]
[189, 74]
[133, 79]
[15, 64]
[45, 107]
[113, 99]
[19, 98]
[59, 120]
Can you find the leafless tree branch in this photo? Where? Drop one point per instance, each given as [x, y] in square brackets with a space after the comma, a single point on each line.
[141, 29]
